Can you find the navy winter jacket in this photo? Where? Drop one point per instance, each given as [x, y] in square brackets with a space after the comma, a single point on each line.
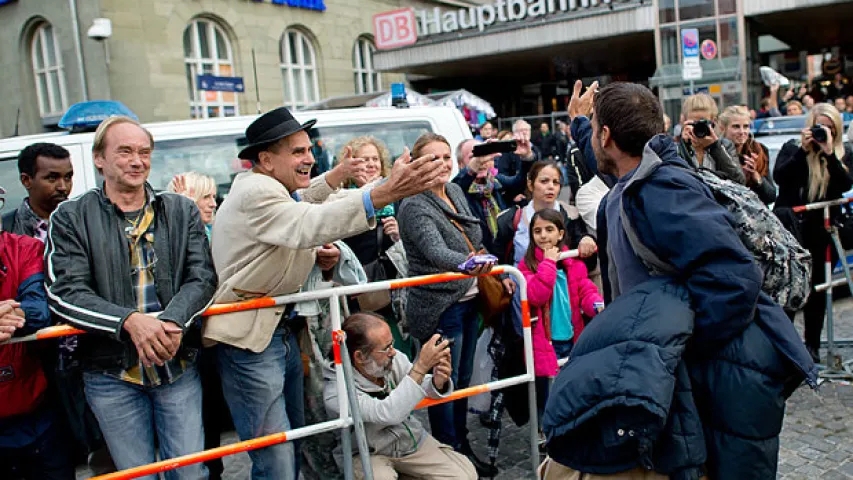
[745, 357]
[624, 398]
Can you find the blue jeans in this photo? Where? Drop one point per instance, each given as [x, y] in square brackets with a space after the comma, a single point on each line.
[448, 421]
[131, 415]
[562, 347]
[264, 392]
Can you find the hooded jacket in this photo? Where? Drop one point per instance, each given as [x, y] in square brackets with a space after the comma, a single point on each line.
[745, 358]
[389, 425]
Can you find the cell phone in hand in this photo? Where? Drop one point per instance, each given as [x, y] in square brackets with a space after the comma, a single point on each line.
[442, 337]
[503, 146]
[476, 261]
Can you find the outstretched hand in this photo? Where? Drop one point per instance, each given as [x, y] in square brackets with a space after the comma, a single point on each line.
[581, 105]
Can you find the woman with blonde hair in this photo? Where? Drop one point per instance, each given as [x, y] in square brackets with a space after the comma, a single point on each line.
[439, 233]
[752, 155]
[199, 188]
[700, 146]
[372, 247]
[817, 169]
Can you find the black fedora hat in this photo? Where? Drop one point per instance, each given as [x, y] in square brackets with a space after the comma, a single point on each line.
[270, 128]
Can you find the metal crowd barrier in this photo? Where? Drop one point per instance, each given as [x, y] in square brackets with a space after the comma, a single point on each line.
[349, 413]
[835, 366]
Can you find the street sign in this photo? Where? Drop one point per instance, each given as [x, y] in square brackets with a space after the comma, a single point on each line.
[395, 29]
[690, 67]
[220, 84]
[709, 49]
[690, 43]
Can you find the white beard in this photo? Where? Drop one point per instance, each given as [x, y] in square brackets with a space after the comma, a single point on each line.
[372, 368]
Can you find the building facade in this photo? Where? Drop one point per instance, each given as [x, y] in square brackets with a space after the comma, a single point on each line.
[523, 55]
[520, 55]
[300, 51]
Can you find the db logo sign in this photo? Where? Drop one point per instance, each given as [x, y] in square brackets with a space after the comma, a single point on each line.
[395, 29]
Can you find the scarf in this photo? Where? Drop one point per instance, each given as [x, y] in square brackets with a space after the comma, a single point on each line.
[484, 193]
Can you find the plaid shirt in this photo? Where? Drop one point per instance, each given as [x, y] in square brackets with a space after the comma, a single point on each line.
[139, 228]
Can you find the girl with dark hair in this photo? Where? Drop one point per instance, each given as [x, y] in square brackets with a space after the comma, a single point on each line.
[557, 294]
[543, 185]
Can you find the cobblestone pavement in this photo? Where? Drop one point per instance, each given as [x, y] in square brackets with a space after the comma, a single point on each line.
[816, 442]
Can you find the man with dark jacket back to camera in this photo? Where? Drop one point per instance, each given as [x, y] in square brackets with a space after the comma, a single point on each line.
[744, 358]
[115, 256]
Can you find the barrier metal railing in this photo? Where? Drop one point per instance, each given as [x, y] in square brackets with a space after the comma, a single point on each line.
[835, 366]
[349, 414]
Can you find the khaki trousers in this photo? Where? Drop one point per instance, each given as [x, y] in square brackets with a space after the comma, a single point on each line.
[432, 460]
[551, 470]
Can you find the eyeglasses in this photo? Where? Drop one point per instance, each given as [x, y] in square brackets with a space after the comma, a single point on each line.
[386, 351]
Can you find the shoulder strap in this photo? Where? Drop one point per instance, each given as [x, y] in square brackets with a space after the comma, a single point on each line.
[8, 222]
[656, 266]
[464, 235]
[516, 219]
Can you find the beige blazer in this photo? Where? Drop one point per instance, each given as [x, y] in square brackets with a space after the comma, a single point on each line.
[264, 244]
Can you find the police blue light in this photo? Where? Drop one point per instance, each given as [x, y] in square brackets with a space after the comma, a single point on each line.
[88, 115]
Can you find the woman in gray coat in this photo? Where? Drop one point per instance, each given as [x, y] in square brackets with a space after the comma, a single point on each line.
[439, 232]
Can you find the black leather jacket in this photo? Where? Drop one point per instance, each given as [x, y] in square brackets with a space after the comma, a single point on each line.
[88, 277]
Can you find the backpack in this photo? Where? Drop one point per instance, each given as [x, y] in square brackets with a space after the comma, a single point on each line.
[787, 266]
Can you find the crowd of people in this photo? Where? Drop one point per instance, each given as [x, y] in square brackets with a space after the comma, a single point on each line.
[659, 266]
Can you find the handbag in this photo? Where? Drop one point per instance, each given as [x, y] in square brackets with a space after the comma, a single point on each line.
[493, 297]
[375, 270]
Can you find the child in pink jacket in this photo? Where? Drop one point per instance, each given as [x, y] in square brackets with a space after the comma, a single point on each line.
[556, 295]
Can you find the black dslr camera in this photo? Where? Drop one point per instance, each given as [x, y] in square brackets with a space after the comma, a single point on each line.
[702, 128]
[819, 134]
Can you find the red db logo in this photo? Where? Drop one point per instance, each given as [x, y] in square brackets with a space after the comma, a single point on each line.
[395, 29]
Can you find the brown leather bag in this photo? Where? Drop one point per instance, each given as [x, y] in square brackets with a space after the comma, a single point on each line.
[493, 297]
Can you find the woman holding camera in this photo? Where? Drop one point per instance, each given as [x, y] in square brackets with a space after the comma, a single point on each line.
[753, 156]
[700, 146]
[816, 170]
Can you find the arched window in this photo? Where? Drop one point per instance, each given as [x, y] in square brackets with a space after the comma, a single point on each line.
[367, 79]
[48, 72]
[207, 51]
[298, 69]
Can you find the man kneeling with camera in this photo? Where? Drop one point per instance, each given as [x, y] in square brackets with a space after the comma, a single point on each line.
[388, 387]
[700, 146]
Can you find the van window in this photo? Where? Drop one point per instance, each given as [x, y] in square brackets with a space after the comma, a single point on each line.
[10, 180]
[217, 156]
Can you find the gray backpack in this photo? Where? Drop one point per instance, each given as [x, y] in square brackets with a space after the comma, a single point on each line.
[787, 266]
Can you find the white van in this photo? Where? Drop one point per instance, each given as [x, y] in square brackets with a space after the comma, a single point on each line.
[209, 146]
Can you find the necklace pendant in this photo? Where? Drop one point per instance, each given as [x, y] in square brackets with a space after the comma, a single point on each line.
[128, 230]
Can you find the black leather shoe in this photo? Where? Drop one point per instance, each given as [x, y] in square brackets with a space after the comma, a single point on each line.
[814, 353]
[483, 469]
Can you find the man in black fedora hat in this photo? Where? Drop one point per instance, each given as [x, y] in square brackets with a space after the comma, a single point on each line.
[265, 243]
